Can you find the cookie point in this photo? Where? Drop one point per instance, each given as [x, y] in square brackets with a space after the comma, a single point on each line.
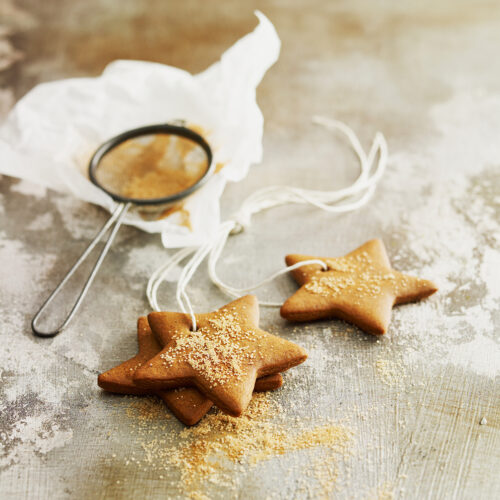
[432, 287]
[294, 258]
[284, 310]
[287, 312]
[250, 301]
[235, 412]
[303, 354]
[102, 379]
[190, 421]
[375, 242]
[155, 320]
[377, 329]
[251, 298]
[292, 310]
[142, 321]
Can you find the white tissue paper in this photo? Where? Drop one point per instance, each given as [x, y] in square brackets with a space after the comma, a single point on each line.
[51, 133]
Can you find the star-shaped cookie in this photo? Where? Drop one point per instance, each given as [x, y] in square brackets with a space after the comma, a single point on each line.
[360, 288]
[187, 404]
[223, 358]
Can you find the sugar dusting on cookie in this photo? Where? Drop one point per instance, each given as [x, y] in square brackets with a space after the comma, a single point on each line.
[217, 350]
[357, 273]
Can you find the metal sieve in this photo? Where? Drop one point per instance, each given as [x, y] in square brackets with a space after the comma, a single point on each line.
[149, 168]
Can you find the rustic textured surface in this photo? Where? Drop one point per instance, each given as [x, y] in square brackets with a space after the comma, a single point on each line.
[425, 73]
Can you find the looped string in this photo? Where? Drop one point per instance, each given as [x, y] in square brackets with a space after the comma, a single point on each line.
[354, 196]
[185, 277]
[224, 232]
[161, 274]
[338, 201]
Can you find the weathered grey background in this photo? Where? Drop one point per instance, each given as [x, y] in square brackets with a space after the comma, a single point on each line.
[427, 74]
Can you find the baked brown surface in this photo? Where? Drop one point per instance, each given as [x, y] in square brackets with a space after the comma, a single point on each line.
[360, 288]
[223, 358]
[187, 404]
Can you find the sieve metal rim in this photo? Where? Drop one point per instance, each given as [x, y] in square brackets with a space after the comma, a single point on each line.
[165, 128]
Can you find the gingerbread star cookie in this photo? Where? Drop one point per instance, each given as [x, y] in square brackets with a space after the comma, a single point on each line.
[223, 358]
[360, 288]
[187, 404]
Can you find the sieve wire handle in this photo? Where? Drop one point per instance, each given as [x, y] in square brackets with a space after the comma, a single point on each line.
[115, 218]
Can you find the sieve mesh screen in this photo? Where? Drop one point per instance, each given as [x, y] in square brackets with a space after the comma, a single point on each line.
[152, 166]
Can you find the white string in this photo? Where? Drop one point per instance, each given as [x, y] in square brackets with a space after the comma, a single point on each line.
[361, 190]
[185, 277]
[337, 201]
[215, 252]
[161, 273]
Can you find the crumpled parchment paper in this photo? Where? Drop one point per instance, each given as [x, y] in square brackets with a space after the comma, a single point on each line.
[51, 133]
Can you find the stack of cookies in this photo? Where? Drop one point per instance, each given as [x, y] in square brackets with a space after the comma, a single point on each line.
[222, 362]
[227, 356]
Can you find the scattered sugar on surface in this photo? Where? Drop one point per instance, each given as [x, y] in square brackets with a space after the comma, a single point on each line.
[221, 449]
[249, 440]
[456, 325]
[452, 236]
[383, 492]
[391, 372]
